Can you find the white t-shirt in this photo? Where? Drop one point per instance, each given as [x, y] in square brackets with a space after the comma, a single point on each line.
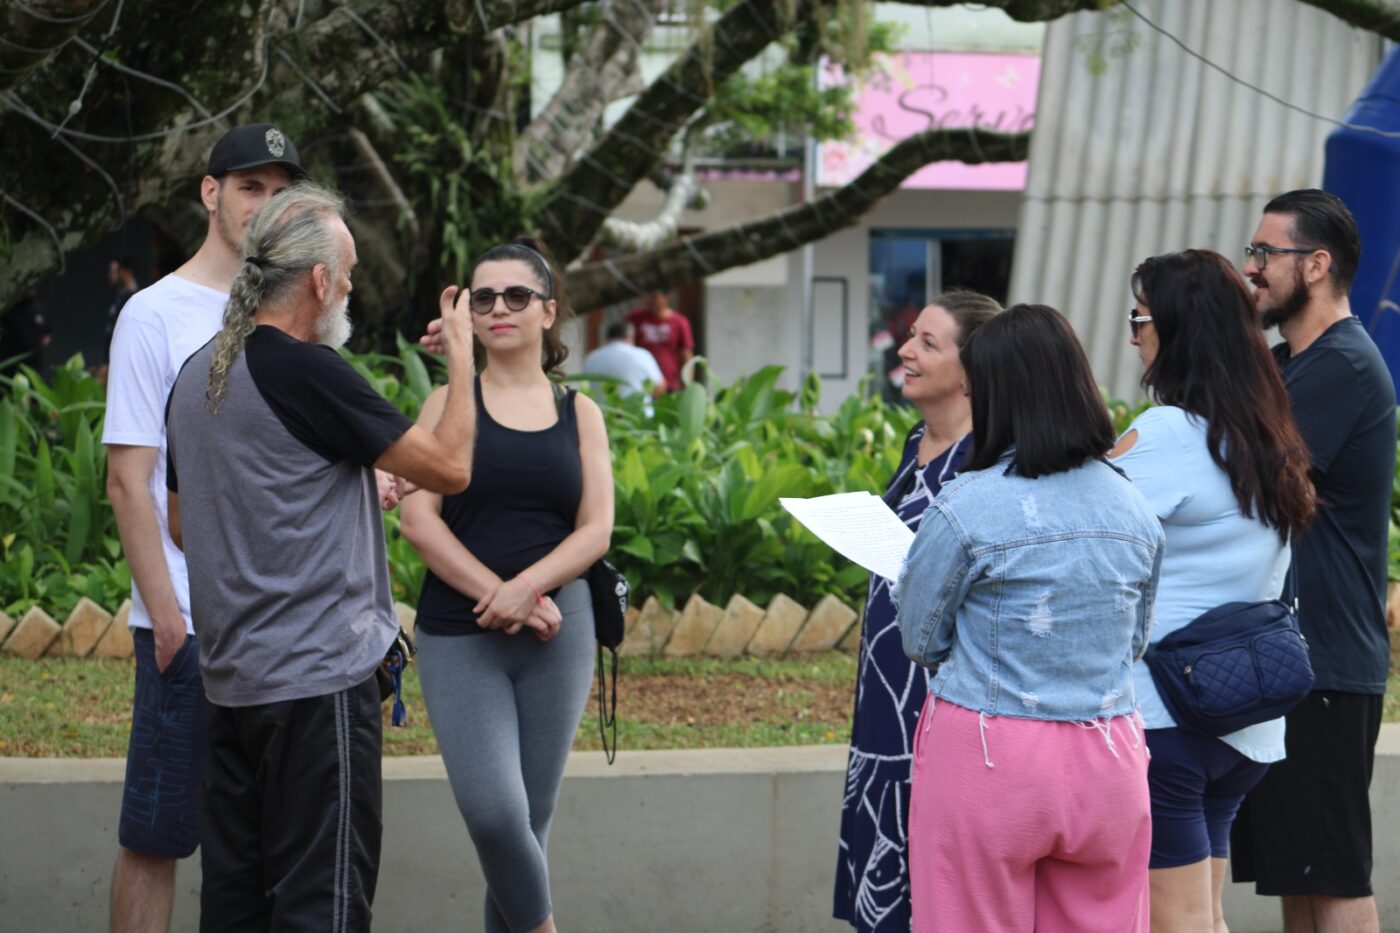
[157, 331]
[622, 360]
[1214, 555]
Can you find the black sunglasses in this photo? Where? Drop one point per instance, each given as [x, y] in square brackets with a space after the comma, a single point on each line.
[516, 297]
[1135, 320]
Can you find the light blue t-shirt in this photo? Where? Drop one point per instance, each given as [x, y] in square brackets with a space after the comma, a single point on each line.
[1214, 554]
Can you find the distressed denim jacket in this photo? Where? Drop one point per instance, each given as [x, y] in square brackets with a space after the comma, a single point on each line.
[1033, 597]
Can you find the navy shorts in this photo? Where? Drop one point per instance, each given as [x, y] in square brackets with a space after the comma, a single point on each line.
[165, 759]
[1196, 783]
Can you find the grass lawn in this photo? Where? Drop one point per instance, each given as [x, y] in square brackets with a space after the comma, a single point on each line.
[81, 709]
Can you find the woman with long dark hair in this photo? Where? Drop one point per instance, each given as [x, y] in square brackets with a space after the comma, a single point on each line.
[1029, 587]
[1224, 468]
[872, 867]
[505, 621]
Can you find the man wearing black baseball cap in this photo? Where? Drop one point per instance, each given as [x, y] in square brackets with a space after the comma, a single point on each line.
[159, 328]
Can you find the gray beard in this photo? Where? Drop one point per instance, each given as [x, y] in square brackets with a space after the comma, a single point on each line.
[333, 328]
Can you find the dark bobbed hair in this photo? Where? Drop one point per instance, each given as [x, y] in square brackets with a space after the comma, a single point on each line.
[968, 309]
[1213, 362]
[536, 255]
[1032, 390]
[1322, 220]
[618, 330]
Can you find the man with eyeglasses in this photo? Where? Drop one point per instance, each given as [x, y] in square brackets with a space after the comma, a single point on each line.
[1304, 833]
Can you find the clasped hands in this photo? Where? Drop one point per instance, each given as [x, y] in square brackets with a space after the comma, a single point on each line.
[513, 605]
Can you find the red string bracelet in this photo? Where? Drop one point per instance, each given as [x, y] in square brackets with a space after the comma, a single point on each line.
[539, 597]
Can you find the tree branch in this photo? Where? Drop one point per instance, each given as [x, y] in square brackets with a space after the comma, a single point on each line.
[1379, 16]
[635, 236]
[35, 30]
[596, 76]
[598, 182]
[577, 204]
[692, 257]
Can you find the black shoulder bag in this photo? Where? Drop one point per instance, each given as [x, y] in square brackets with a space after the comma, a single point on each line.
[1235, 666]
[609, 590]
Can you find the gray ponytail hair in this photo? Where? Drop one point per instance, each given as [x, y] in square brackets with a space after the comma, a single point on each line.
[286, 238]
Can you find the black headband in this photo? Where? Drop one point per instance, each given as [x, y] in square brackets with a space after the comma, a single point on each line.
[548, 273]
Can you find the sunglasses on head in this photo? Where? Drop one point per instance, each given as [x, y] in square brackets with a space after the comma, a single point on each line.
[516, 298]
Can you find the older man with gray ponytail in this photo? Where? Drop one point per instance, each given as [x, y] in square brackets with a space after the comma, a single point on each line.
[158, 330]
[274, 441]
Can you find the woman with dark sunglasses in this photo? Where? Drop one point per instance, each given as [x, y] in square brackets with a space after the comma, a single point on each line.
[1223, 466]
[505, 622]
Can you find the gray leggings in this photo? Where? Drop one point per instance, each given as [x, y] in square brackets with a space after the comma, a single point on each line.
[505, 709]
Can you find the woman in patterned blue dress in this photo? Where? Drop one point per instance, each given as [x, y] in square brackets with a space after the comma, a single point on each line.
[872, 869]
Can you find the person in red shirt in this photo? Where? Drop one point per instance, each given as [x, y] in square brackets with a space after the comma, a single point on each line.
[665, 333]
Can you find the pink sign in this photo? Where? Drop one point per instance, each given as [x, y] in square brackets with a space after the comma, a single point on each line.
[911, 92]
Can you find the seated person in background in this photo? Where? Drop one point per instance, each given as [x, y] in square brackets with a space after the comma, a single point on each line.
[622, 359]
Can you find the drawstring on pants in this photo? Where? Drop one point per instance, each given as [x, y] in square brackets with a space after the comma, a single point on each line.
[982, 728]
[1105, 728]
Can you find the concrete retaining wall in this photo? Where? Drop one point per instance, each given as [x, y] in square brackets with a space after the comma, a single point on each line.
[684, 841]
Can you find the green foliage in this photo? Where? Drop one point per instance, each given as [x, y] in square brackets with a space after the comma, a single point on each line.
[405, 380]
[478, 201]
[58, 539]
[1117, 39]
[751, 108]
[1122, 413]
[698, 485]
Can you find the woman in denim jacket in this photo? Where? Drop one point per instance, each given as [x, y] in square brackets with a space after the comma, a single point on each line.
[1030, 586]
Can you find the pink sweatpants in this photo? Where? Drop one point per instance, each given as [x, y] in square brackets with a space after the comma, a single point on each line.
[1028, 825]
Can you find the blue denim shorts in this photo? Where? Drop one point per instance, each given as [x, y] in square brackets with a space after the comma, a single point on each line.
[165, 758]
[1196, 783]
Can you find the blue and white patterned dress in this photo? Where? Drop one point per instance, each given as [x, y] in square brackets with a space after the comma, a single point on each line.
[872, 869]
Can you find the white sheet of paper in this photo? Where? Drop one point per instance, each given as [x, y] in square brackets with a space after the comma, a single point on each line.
[858, 526]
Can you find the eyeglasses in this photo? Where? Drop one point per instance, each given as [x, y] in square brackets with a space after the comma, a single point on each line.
[516, 298]
[1260, 254]
[1135, 320]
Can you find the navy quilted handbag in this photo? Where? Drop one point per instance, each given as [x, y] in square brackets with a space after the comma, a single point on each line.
[1234, 666]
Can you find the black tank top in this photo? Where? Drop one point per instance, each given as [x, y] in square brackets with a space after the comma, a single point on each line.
[522, 502]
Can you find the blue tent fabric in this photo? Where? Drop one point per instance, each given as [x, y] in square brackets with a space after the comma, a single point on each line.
[1363, 169]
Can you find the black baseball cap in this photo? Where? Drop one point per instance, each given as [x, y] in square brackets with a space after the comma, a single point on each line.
[245, 147]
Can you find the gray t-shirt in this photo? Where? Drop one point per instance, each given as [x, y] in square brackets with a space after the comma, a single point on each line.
[289, 586]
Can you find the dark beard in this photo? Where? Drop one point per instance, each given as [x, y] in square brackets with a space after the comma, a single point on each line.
[1290, 307]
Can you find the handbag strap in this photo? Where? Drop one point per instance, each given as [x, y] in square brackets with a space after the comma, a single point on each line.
[607, 710]
[1291, 590]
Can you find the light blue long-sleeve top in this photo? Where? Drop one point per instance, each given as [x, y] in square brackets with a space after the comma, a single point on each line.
[1214, 553]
